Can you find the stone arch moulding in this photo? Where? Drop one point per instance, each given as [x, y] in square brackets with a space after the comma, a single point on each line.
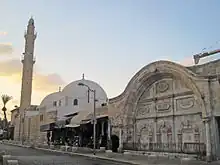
[153, 72]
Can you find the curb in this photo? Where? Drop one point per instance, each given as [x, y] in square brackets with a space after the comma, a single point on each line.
[78, 154]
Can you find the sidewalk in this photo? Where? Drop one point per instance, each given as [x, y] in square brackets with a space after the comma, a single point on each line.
[126, 158]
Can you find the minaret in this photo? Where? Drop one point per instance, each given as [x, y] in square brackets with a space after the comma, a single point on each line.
[28, 61]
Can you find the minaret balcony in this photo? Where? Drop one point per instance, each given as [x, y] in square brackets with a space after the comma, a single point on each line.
[34, 60]
[23, 58]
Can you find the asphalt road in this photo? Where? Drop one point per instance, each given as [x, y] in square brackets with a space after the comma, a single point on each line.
[29, 156]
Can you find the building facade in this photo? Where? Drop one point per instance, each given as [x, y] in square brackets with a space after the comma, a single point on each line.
[55, 108]
[167, 107]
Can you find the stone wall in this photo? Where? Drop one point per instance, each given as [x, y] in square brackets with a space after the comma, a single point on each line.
[167, 97]
[210, 68]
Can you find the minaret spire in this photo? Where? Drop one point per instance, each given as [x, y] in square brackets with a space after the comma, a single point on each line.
[28, 61]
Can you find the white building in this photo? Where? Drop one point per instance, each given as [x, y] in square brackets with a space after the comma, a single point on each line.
[74, 98]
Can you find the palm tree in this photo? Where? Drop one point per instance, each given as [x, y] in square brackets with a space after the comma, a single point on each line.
[5, 100]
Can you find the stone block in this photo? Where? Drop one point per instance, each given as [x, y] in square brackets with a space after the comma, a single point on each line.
[52, 147]
[68, 149]
[120, 149]
[74, 149]
[63, 148]
[45, 146]
[187, 159]
[127, 153]
[1, 155]
[85, 150]
[5, 158]
[12, 162]
[102, 149]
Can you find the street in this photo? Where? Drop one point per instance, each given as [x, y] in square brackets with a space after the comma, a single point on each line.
[29, 156]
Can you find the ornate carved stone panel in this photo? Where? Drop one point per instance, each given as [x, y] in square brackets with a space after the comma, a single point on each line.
[144, 109]
[145, 132]
[190, 128]
[164, 105]
[163, 86]
[185, 103]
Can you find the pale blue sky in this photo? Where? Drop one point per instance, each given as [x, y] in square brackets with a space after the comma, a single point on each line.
[110, 40]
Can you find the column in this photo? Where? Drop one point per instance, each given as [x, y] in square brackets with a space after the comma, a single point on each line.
[109, 134]
[102, 129]
[120, 139]
[208, 140]
[155, 130]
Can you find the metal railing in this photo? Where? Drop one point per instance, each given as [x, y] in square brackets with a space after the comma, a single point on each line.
[187, 148]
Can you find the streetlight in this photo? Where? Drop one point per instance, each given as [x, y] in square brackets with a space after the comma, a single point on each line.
[23, 133]
[94, 115]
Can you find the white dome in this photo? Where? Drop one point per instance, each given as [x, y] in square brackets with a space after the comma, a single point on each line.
[48, 101]
[74, 90]
[80, 93]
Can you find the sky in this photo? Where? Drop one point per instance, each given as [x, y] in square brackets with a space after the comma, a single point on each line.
[107, 40]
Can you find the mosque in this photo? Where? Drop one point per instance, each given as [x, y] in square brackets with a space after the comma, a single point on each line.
[166, 107]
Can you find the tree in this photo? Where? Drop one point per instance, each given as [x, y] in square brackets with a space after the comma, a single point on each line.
[5, 100]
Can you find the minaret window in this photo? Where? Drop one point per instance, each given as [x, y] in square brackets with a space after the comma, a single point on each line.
[75, 102]
[54, 103]
[60, 103]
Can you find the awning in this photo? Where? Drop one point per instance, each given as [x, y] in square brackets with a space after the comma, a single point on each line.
[72, 125]
[101, 116]
[100, 113]
[76, 120]
[90, 117]
[62, 122]
[47, 127]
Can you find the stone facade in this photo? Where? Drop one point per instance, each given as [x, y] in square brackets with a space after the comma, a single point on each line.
[167, 103]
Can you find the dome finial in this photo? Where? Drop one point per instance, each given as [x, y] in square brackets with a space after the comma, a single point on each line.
[83, 76]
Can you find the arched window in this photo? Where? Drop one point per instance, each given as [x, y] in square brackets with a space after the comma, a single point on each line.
[75, 102]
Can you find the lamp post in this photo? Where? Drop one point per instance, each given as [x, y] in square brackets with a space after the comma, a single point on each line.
[23, 133]
[94, 115]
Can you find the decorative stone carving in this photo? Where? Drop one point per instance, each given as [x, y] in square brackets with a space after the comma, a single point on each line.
[143, 110]
[116, 120]
[162, 86]
[186, 124]
[163, 106]
[145, 133]
[165, 128]
[196, 129]
[186, 103]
